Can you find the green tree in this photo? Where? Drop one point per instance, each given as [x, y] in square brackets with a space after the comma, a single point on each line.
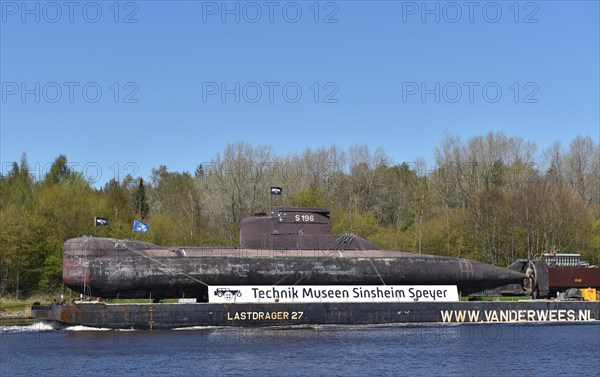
[310, 197]
[140, 202]
[59, 171]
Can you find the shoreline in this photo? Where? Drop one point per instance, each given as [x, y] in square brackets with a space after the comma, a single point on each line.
[17, 321]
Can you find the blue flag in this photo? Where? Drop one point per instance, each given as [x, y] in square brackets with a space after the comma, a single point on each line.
[139, 226]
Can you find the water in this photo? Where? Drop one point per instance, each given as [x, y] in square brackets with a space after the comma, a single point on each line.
[441, 350]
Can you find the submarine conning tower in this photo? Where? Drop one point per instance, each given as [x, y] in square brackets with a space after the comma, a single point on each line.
[296, 228]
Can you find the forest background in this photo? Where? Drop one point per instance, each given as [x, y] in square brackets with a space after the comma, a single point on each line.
[493, 197]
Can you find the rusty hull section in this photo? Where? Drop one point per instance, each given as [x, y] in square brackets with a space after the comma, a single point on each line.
[562, 278]
[170, 316]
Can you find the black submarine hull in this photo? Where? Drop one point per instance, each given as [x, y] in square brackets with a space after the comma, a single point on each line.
[114, 268]
[288, 246]
[173, 316]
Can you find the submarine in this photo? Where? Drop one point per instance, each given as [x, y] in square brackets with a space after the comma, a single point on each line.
[288, 251]
[287, 246]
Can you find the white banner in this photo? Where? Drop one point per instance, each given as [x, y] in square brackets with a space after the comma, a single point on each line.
[331, 293]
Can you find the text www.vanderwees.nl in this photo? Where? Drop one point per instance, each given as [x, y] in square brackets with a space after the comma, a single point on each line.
[513, 315]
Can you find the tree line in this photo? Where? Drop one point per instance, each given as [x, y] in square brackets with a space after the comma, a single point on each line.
[493, 198]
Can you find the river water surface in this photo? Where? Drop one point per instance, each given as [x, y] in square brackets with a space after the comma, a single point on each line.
[441, 350]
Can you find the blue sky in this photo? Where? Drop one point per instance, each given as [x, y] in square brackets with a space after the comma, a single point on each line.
[128, 86]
